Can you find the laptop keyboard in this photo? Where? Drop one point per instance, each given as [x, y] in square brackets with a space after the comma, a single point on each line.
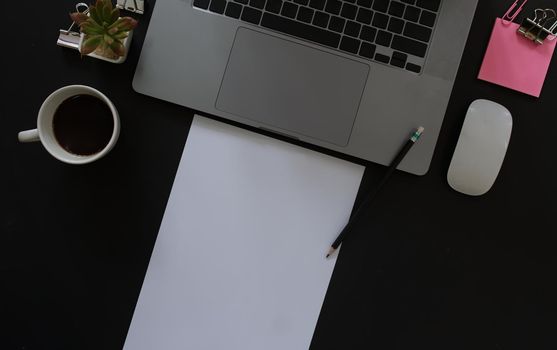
[396, 33]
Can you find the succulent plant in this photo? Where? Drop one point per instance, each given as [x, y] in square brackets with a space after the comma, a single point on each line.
[104, 29]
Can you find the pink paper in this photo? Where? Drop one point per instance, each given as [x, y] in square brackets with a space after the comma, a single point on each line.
[514, 62]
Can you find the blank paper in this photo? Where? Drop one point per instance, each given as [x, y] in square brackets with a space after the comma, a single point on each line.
[239, 262]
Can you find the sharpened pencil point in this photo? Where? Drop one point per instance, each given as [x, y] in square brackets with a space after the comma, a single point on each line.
[330, 252]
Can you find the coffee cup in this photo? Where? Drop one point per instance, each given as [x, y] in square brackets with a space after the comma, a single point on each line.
[77, 124]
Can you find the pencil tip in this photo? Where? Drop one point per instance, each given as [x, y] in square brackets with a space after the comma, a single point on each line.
[327, 256]
[330, 252]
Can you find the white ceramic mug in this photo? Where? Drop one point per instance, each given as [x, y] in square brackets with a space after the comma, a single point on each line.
[45, 131]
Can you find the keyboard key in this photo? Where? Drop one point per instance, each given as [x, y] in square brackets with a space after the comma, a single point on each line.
[410, 46]
[302, 2]
[416, 31]
[383, 38]
[368, 33]
[305, 14]
[251, 15]
[396, 25]
[289, 9]
[317, 4]
[321, 19]
[397, 63]
[432, 5]
[400, 56]
[202, 4]
[350, 44]
[410, 2]
[398, 59]
[337, 24]
[260, 4]
[273, 6]
[217, 6]
[382, 58]
[412, 14]
[380, 20]
[413, 67]
[365, 3]
[233, 10]
[396, 9]
[367, 50]
[301, 30]
[381, 5]
[333, 7]
[348, 11]
[427, 18]
[352, 29]
[364, 16]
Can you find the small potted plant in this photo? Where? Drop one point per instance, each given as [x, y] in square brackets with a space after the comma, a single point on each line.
[104, 34]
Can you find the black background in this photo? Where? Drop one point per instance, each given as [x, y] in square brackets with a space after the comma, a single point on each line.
[427, 268]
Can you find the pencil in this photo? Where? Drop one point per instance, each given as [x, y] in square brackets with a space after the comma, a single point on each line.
[396, 161]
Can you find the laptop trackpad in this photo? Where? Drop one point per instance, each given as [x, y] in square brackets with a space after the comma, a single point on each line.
[292, 87]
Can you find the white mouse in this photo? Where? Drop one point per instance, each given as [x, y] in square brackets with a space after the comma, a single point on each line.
[481, 148]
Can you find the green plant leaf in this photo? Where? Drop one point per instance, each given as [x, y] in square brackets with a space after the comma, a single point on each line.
[114, 15]
[102, 3]
[94, 13]
[116, 24]
[120, 36]
[106, 12]
[91, 27]
[118, 48]
[107, 39]
[127, 23]
[90, 43]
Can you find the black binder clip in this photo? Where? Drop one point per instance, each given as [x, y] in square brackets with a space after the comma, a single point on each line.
[541, 27]
[136, 6]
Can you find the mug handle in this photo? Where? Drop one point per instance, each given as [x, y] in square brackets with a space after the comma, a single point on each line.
[29, 136]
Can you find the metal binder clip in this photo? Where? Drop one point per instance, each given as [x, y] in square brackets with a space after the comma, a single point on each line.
[70, 38]
[535, 29]
[136, 6]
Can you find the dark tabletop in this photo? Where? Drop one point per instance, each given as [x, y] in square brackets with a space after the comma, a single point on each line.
[427, 268]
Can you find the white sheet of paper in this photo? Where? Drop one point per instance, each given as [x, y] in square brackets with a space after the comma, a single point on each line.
[239, 262]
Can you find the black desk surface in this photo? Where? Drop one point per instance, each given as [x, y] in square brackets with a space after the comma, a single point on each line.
[428, 268]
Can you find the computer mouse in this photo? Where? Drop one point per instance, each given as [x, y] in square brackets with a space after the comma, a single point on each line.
[481, 148]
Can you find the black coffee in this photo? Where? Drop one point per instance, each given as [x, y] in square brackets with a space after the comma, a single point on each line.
[83, 125]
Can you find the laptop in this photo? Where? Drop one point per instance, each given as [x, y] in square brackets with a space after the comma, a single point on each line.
[353, 76]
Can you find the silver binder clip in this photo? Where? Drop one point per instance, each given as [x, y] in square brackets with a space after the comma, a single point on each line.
[70, 37]
[136, 6]
[536, 29]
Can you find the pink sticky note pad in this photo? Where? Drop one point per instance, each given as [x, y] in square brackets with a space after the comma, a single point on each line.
[514, 62]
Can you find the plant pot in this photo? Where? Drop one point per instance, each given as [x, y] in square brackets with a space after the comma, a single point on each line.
[97, 54]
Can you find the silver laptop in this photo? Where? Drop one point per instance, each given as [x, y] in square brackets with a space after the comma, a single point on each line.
[353, 76]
